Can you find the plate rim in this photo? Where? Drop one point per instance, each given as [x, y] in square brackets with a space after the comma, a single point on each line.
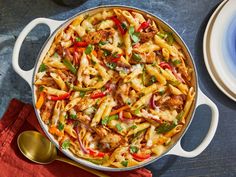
[225, 76]
[206, 53]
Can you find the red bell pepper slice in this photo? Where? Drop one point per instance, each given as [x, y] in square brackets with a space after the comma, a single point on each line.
[165, 65]
[119, 25]
[143, 26]
[81, 44]
[98, 95]
[117, 58]
[141, 156]
[95, 153]
[61, 97]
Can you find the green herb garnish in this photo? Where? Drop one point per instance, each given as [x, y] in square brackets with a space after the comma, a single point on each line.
[88, 49]
[111, 65]
[161, 92]
[115, 55]
[153, 79]
[133, 149]
[82, 93]
[107, 119]
[136, 57]
[41, 88]
[170, 38]
[137, 111]
[69, 65]
[133, 127]
[124, 26]
[106, 53]
[118, 127]
[175, 62]
[134, 35]
[124, 163]
[60, 126]
[102, 43]
[66, 144]
[73, 116]
[56, 55]
[42, 67]
[78, 39]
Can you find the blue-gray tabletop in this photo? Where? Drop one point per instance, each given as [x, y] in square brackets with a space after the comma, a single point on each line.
[188, 18]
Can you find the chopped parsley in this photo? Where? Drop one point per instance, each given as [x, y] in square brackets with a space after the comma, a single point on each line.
[78, 39]
[41, 88]
[161, 92]
[106, 53]
[136, 57]
[118, 127]
[133, 127]
[128, 101]
[73, 116]
[153, 79]
[115, 55]
[124, 163]
[69, 65]
[56, 55]
[137, 111]
[102, 43]
[88, 49]
[124, 26]
[60, 126]
[134, 35]
[42, 67]
[175, 62]
[133, 149]
[82, 93]
[65, 144]
[111, 65]
[107, 119]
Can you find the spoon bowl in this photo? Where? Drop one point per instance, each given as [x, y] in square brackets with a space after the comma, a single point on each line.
[36, 147]
[39, 149]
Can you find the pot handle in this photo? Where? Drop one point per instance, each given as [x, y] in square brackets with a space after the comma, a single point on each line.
[179, 151]
[28, 75]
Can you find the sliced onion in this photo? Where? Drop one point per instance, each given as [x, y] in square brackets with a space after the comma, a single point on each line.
[80, 142]
[178, 75]
[152, 103]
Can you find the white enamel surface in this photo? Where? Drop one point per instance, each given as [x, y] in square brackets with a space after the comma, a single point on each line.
[28, 75]
[179, 151]
[219, 29]
[207, 56]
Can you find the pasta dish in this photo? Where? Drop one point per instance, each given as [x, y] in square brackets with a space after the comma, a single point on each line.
[114, 88]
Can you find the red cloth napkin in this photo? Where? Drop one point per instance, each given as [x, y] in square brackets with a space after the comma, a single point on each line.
[20, 117]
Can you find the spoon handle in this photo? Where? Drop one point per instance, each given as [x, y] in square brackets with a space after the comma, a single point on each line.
[71, 162]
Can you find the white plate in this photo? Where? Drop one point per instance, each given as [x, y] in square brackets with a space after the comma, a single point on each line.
[207, 56]
[223, 46]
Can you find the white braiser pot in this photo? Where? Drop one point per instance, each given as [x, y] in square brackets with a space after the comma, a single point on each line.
[174, 149]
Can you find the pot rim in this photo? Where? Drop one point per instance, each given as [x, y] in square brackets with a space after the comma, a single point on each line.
[83, 161]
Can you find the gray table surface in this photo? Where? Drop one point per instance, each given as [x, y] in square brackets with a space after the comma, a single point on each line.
[189, 18]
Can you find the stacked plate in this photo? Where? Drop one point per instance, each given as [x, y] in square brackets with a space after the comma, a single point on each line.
[219, 47]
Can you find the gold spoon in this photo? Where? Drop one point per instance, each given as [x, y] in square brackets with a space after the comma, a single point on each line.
[39, 149]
